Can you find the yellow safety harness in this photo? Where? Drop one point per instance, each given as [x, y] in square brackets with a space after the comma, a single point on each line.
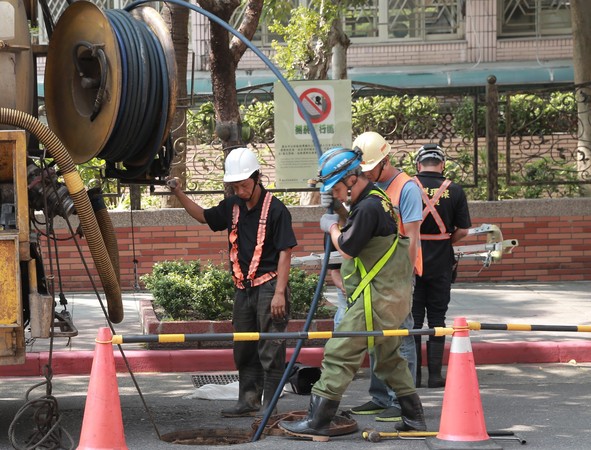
[367, 277]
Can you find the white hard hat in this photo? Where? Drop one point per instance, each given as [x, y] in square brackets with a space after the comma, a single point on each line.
[240, 164]
[374, 147]
[430, 151]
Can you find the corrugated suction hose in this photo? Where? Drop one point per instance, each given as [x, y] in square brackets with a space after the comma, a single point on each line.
[90, 227]
[106, 226]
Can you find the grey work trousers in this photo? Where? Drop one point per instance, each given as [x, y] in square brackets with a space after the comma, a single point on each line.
[252, 313]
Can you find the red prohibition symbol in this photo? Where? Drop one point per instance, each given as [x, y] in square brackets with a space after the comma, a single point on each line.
[317, 104]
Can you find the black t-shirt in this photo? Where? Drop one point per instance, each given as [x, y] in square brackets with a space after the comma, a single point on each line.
[368, 218]
[453, 210]
[279, 235]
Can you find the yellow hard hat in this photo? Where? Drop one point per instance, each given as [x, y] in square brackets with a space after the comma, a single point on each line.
[374, 147]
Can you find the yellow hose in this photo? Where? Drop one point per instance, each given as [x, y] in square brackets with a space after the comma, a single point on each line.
[90, 227]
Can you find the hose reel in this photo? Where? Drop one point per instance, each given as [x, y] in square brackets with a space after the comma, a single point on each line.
[111, 88]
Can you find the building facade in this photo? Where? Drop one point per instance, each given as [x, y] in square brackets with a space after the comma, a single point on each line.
[430, 43]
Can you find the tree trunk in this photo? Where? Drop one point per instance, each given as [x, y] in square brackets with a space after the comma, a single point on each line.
[177, 19]
[224, 57]
[581, 22]
[340, 43]
[223, 81]
[135, 197]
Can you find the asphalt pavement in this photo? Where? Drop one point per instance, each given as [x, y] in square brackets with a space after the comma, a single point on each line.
[545, 405]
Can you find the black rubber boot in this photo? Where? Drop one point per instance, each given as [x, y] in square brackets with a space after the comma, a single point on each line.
[271, 385]
[317, 424]
[419, 361]
[413, 418]
[434, 362]
[249, 398]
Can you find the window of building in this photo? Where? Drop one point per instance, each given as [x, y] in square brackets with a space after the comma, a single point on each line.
[387, 20]
[529, 18]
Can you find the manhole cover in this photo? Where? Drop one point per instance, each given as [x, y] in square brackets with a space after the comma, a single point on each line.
[209, 436]
[201, 379]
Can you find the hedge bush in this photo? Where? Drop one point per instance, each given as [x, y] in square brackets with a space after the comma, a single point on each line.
[188, 290]
[406, 116]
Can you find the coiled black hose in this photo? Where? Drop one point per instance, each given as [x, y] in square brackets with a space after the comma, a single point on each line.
[143, 113]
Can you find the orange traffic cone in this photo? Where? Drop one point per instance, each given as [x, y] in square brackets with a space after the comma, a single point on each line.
[462, 421]
[102, 425]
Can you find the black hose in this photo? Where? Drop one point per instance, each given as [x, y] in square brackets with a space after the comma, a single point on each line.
[318, 149]
[143, 113]
[300, 343]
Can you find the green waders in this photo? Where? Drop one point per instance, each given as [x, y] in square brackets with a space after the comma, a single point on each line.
[390, 293]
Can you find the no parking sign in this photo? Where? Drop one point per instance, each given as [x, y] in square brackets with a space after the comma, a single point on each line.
[328, 104]
[317, 104]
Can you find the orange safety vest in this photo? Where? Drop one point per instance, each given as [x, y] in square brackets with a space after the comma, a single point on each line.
[394, 191]
[430, 209]
[237, 274]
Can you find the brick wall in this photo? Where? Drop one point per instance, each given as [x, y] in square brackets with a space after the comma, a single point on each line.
[554, 242]
[530, 49]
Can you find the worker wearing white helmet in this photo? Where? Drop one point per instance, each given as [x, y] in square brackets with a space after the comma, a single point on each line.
[260, 261]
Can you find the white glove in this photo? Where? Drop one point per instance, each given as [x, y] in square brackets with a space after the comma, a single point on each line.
[326, 199]
[172, 183]
[327, 221]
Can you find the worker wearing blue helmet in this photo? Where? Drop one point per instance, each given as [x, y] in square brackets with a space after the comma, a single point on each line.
[377, 273]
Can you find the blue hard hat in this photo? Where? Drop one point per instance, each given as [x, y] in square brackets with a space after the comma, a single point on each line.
[335, 164]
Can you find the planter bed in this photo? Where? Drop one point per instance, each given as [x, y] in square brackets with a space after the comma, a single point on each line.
[152, 325]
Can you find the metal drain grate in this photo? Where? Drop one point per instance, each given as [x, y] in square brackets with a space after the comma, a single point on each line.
[213, 378]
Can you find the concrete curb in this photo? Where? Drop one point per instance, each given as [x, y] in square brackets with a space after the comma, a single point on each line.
[210, 360]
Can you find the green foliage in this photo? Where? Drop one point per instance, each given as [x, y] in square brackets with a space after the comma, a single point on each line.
[181, 267]
[303, 285]
[395, 116]
[533, 179]
[201, 123]
[172, 284]
[186, 290]
[306, 32]
[214, 293]
[260, 117]
[463, 120]
[531, 182]
[530, 115]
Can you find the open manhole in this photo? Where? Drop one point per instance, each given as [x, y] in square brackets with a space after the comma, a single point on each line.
[209, 436]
